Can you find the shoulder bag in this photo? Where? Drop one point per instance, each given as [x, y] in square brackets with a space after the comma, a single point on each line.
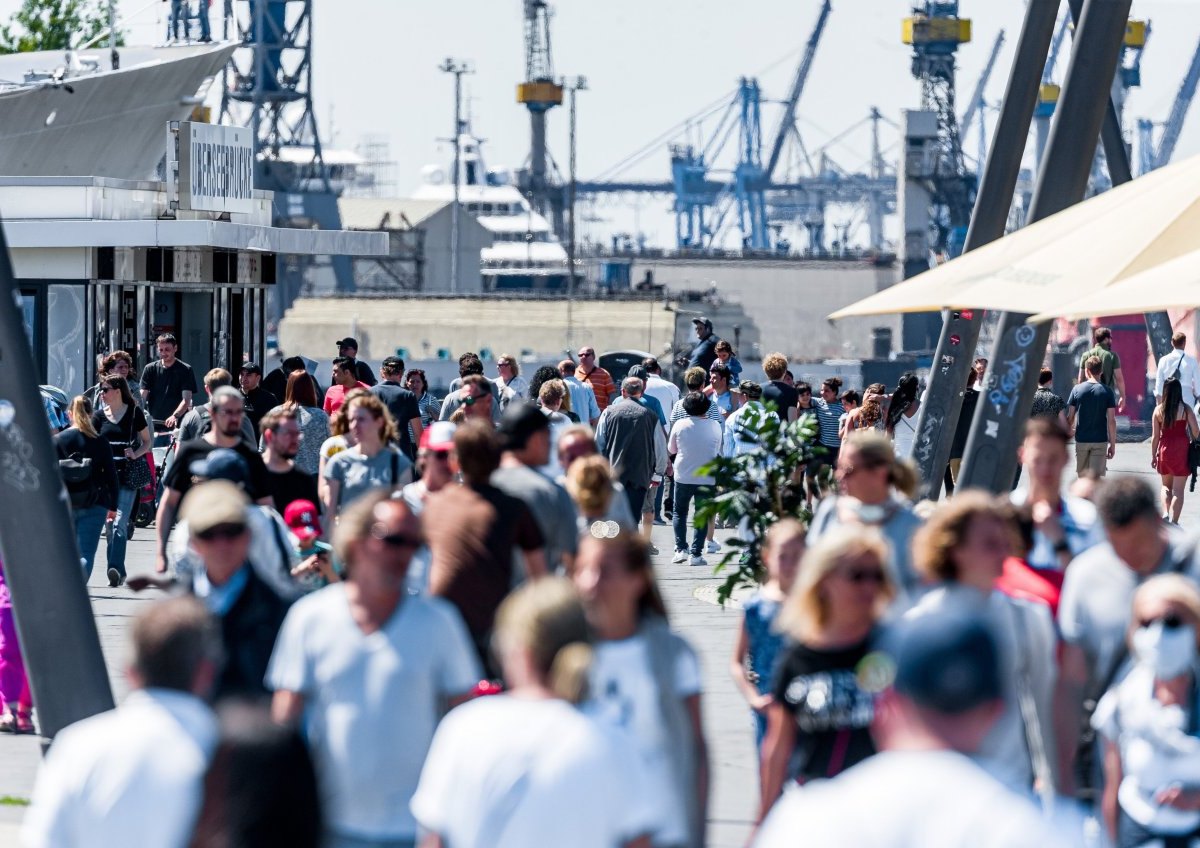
[134, 473]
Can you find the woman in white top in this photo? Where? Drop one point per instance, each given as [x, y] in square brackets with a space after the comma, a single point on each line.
[902, 415]
[646, 680]
[527, 768]
[1149, 722]
[961, 550]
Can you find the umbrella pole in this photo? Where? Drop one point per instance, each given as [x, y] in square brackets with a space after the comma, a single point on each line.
[1158, 324]
[990, 459]
[54, 619]
[938, 417]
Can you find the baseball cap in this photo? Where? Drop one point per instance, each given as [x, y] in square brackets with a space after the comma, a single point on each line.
[213, 503]
[520, 421]
[703, 320]
[749, 388]
[222, 464]
[251, 368]
[438, 436]
[349, 341]
[303, 520]
[393, 363]
[944, 661]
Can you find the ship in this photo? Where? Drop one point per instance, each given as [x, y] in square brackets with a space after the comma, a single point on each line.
[72, 115]
[525, 253]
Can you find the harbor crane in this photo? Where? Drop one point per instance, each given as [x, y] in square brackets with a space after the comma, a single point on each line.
[977, 106]
[1152, 156]
[539, 93]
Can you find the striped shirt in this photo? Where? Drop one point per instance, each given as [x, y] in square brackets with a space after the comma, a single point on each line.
[677, 414]
[600, 382]
[829, 416]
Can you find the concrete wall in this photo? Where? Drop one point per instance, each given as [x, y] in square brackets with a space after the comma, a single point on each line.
[789, 300]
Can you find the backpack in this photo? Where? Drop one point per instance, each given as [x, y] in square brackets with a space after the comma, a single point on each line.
[76, 471]
[206, 419]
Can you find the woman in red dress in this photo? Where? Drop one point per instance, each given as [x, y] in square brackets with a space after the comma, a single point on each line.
[1175, 426]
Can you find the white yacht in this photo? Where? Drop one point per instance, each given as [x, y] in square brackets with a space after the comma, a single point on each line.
[525, 253]
[70, 114]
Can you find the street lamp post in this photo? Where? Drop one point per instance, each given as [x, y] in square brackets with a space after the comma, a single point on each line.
[458, 68]
[573, 85]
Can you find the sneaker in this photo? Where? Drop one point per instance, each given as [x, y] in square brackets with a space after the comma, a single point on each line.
[697, 560]
[653, 550]
[114, 578]
[660, 522]
[713, 546]
[680, 556]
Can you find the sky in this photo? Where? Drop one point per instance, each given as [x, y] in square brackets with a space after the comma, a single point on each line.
[650, 64]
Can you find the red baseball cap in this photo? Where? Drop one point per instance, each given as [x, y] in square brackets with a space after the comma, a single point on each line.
[303, 519]
[438, 436]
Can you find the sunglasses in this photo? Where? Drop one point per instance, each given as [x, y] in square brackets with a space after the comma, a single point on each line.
[588, 355]
[1170, 621]
[221, 531]
[858, 576]
[397, 540]
[111, 389]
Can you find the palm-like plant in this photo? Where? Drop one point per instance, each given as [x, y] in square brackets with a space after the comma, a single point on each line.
[758, 488]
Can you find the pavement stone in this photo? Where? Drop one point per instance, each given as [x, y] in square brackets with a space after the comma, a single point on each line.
[690, 595]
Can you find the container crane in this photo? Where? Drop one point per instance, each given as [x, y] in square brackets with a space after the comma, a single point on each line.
[977, 104]
[1155, 156]
[788, 121]
[540, 92]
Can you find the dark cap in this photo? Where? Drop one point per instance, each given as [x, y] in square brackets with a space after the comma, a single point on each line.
[392, 363]
[519, 422]
[349, 341]
[749, 388]
[222, 464]
[702, 320]
[251, 368]
[945, 662]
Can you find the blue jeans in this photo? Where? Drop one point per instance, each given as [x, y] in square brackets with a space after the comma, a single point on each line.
[684, 494]
[116, 532]
[89, 524]
[202, 14]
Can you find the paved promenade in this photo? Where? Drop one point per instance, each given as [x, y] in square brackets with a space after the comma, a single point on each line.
[688, 593]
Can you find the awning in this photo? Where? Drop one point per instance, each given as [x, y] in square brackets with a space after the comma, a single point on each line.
[1064, 258]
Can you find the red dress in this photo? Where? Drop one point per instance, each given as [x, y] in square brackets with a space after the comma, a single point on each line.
[1173, 450]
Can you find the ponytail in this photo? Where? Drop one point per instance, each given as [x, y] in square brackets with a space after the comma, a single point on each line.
[568, 674]
[81, 416]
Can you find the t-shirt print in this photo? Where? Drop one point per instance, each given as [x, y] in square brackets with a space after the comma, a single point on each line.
[828, 700]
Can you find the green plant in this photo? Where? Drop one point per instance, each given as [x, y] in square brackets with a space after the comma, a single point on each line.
[757, 488]
[13, 801]
[54, 25]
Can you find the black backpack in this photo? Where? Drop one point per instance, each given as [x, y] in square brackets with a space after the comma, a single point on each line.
[76, 471]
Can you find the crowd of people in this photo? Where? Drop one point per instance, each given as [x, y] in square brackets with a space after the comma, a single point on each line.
[477, 651]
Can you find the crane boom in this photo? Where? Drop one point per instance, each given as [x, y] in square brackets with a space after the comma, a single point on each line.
[789, 112]
[1174, 124]
[1055, 45]
[980, 87]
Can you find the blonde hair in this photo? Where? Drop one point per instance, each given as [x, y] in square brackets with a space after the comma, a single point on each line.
[775, 365]
[875, 449]
[512, 363]
[589, 482]
[805, 613]
[81, 416]
[373, 405]
[551, 391]
[1175, 588]
[947, 529]
[545, 618]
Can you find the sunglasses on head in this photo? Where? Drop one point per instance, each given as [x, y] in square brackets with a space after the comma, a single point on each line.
[221, 531]
[858, 576]
[1170, 621]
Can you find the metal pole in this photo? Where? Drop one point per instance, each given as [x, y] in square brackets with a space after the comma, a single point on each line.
[457, 169]
[939, 412]
[113, 55]
[574, 85]
[990, 459]
[41, 559]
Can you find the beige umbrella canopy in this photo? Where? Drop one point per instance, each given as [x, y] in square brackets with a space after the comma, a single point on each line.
[1175, 283]
[1063, 258]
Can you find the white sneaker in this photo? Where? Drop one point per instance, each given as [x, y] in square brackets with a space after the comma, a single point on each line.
[680, 556]
[713, 546]
[698, 560]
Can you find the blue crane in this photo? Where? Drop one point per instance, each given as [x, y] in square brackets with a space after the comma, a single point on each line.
[977, 104]
[1153, 156]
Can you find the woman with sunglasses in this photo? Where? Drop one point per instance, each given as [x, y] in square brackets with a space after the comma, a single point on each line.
[818, 721]
[875, 490]
[962, 549]
[120, 423]
[1149, 725]
[646, 680]
[510, 375]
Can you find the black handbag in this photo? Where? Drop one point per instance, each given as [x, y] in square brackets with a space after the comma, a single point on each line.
[134, 473]
[76, 471]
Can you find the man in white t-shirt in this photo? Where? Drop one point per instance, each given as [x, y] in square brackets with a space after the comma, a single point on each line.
[135, 775]
[371, 669]
[921, 788]
[1179, 365]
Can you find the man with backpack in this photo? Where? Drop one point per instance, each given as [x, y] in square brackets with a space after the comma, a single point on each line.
[1177, 365]
[199, 420]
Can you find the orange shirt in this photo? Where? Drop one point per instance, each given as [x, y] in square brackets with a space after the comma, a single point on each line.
[601, 383]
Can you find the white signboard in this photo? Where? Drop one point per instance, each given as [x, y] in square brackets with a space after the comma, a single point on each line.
[216, 168]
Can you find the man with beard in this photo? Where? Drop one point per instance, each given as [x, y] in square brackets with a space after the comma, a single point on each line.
[281, 440]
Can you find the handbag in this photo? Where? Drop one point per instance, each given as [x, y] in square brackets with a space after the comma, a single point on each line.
[76, 471]
[134, 473]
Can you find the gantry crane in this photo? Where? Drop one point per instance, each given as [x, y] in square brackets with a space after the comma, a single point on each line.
[978, 105]
[1150, 155]
[540, 92]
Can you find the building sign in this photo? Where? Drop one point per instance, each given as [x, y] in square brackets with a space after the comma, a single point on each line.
[216, 168]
